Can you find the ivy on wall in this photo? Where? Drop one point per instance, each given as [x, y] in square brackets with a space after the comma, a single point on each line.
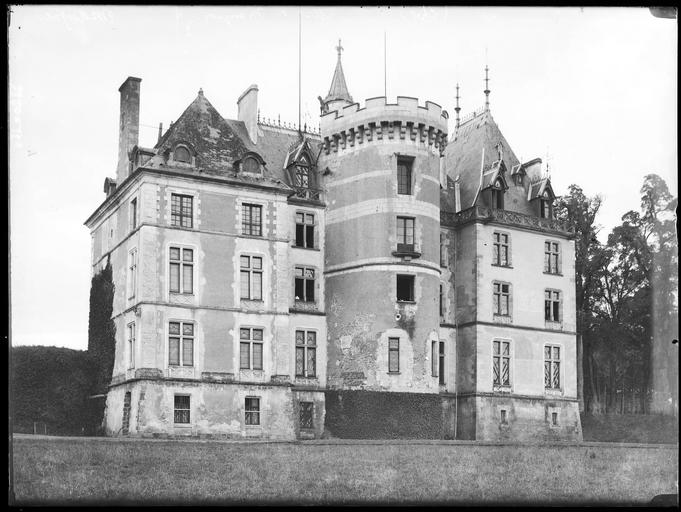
[381, 415]
[101, 343]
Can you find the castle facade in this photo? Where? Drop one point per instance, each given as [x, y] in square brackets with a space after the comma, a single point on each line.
[380, 278]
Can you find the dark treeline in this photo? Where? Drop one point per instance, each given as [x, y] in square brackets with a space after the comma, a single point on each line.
[626, 295]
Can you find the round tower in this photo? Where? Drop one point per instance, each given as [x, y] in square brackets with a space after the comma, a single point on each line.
[381, 172]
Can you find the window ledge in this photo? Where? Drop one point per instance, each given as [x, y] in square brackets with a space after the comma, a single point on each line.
[406, 301]
[553, 391]
[502, 389]
[183, 294]
[253, 300]
[406, 254]
[394, 373]
[501, 266]
[256, 237]
[182, 425]
[559, 274]
[307, 248]
[183, 228]
[503, 319]
[554, 326]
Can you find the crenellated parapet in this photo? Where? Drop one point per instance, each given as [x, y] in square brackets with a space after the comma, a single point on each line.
[379, 122]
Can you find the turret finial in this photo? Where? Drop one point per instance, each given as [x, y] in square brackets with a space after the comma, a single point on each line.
[487, 91]
[339, 48]
[457, 109]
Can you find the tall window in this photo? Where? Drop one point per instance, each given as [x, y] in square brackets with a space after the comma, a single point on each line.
[304, 284]
[306, 414]
[181, 344]
[405, 288]
[181, 270]
[501, 363]
[497, 194]
[551, 252]
[131, 345]
[132, 268]
[501, 299]
[404, 176]
[251, 219]
[182, 409]
[500, 246]
[443, 251]
[545, 206]
[442, 300]
[250, 351]
[441, 361]
[393, 355]
[552, 305]
[306, 353]
[405, 233]
[133, 214]
[252, 410]
[305, 230]
[438, 360]
[181, 210]
[251, 277]
[551, 367]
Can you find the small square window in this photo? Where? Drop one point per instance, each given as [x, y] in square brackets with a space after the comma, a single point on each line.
[405, 288]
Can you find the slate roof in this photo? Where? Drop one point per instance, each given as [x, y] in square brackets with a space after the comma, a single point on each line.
[463, 154]
[537, 189]
[218, 143]
[338, 89]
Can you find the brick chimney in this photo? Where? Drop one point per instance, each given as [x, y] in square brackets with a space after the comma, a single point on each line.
[248, 111]
[129, 127]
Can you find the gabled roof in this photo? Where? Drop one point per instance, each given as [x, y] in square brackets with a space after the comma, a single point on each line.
[538, 188]
[464, 155]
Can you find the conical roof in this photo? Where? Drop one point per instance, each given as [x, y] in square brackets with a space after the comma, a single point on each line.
[338, 89]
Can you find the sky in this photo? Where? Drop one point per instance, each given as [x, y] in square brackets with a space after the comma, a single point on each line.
[593, 91]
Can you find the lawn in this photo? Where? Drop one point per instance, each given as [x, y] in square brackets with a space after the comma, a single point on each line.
[112, 471]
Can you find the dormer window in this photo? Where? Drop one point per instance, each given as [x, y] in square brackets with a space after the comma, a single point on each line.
[497, 195]
[546, 206]
[182, 154]
[302, 172]
[250, 165]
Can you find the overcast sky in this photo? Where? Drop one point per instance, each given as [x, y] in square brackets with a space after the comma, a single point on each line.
[596, 89]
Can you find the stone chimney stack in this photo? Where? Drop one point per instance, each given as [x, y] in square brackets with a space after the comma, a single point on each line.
[248, 111]
[129, 127]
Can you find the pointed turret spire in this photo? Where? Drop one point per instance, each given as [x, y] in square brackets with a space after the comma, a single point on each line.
[486, 88]
[339, 89]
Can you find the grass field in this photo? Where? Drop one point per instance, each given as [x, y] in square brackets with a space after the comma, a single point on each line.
[112, 471]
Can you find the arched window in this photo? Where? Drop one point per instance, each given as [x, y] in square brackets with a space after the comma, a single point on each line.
[182, 154]
[251, 164]
[497, 195]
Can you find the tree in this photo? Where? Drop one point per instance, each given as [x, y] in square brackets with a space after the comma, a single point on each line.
[579, 211]
[101, 342]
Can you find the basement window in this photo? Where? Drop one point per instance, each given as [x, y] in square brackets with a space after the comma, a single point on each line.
[252, 409]
[182, 409]
[554, 418]
[405, 288]
[504, 417]
[307, 415]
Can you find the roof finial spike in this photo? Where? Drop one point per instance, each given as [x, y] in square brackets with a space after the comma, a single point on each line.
[258, 115]
[486, 87]
[457, 109]
[339, 48]
[200, 91]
